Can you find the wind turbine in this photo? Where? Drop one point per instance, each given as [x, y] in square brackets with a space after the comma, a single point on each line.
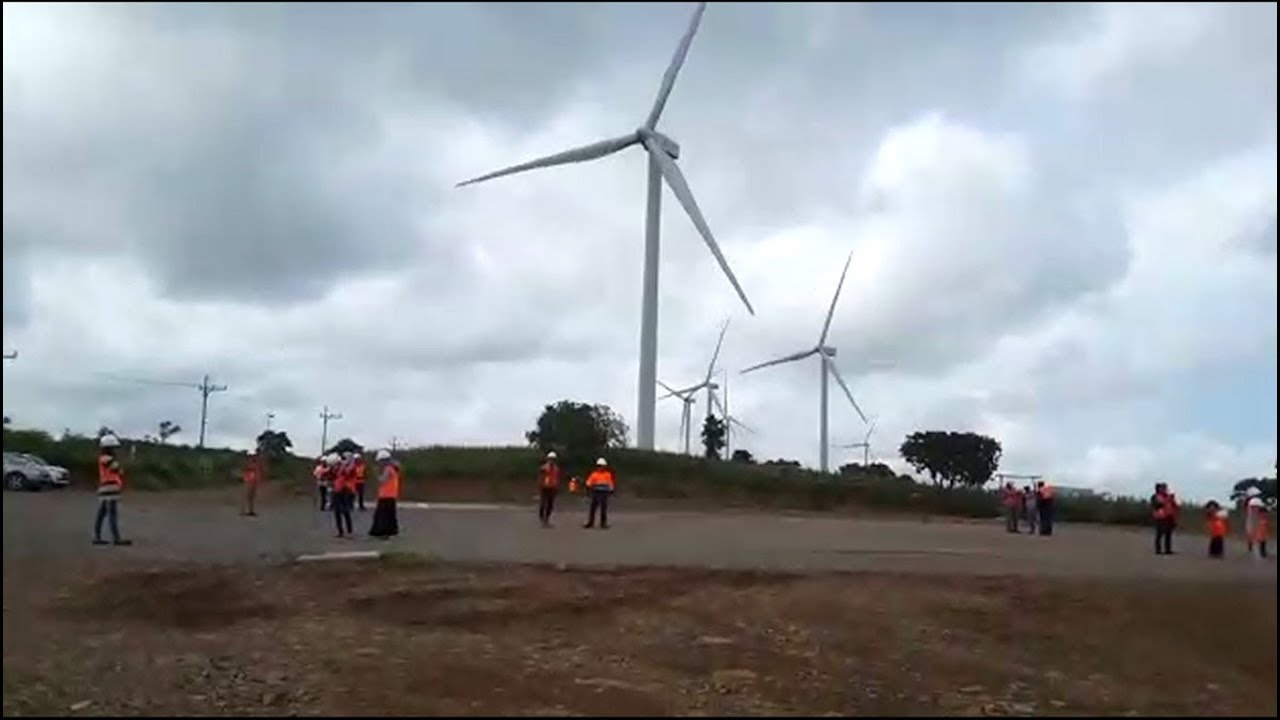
[689, 395]
[826, 353]
[730, 420]
[865, 445]
[662, 152]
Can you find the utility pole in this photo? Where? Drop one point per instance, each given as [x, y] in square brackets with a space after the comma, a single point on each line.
[205, 387]
[393, 443]
[325, 417]
[270, 417]
[205, 390]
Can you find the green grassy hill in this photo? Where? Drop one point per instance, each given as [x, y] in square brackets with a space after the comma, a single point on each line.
[508, 474]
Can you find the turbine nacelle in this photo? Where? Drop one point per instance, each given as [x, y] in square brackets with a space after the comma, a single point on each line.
[669, 147]
[828, 351]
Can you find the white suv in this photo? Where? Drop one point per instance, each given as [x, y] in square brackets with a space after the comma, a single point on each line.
[28, 472]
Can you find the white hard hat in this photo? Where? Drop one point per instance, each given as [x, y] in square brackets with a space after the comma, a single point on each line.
[551, 455]
[1255, 502]
[601, 462]
[1253, 492]
[382, 455]
[1223, 514]
[331, 458]
[108, 441]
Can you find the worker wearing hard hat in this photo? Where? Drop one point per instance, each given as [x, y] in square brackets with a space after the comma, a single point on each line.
[357, 462]
[252, 474]
[1250, 504]
[322, 474]
[385, 523]
[600, 484]
[110, 486]
[548, 486]
[1217, 522]
[343, 492]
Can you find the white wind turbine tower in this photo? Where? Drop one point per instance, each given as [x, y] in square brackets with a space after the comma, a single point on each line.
[865, 444]
[730, 420]
[662, 152]
[826, 353]
[689, 395]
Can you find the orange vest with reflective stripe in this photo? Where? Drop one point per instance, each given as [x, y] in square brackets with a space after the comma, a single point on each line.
[390, 489]
[1217, 527]
[110, 476]
[360, 471]
[600, 478]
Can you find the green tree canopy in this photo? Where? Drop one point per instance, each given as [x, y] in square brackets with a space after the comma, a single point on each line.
[576, 430]
[346, 445]
[952, 458]
[713, 430]
[274, 443]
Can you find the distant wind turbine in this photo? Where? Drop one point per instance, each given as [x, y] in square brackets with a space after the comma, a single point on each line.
[688, 395]
[730, 420]
[865, 445]
[826, 353]
[663, 152]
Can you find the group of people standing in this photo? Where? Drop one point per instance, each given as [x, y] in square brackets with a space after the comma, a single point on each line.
[1257, 522]
[1034, 506]
[340, 485]
[600, 485]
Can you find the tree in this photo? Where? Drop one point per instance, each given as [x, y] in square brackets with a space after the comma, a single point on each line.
[578, 430]
[1266, 486]
[168, 428]
[274, 443]
[344, 445]
[7, 420]
[743, 456]
[952, 458]
[713, 429]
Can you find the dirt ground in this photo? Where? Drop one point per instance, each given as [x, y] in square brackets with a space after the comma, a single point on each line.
[116, 634]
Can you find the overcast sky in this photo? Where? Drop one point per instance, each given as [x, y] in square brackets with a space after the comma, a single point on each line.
[1062, 220]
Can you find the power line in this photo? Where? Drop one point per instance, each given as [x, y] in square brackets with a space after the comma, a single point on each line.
[325, 417]
[205, 387]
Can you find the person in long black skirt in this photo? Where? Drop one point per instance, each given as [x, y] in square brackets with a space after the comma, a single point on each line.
[385, 523]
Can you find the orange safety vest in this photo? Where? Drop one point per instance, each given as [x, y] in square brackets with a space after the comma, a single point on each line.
[1217, 527]
[390, 489]
[1046, 492]
[573, 484]
[359, 471]
[110, 476]
[600, 478]
[342, 478]
[549, 474]
[1260, 528]
[1166, 506]
[1011, 497]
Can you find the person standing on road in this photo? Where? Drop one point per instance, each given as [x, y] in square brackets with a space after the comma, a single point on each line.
[322, 472]
[1217, 530]
[110, 486]
[343, 490]
[548, 486]
[1249, 506]
[358, 468]
[1261, 527]
[1030, 509]
[1011, 501]
[385, 523]
[1044, 505]
[1164, 510]
[252, 473]
[600, 484]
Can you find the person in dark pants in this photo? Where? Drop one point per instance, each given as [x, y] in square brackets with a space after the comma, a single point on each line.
[1044, 504]
[385, 524]
[342, 498]
[1217, 530]
[322, 473]
[1164, 511]
[110, 485]
[358, 462]
[548, 487]
[600, 484]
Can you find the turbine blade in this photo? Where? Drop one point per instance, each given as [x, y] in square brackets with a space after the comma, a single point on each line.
[715, 399]
[712, 367]
[847, 393]
[584, 153]
[831, 311]
[670, 391]
[740, 424]
[675, 180]
[677, 60]
[789, 358]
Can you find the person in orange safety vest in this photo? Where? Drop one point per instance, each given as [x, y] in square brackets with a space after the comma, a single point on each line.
[1217, 522]
[110, 486]
[600, 484]
[1164, 511]
[1011, 499]
[358, 476]
[343, 490]
[252, 473]
[322, 472]
[548, 486]
[385, 523]
[1044, 505]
